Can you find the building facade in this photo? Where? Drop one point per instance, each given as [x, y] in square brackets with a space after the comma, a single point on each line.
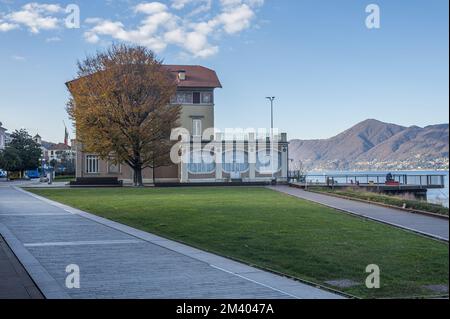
[2, 137]
[244, 159]
[60, 152]
[59, 156]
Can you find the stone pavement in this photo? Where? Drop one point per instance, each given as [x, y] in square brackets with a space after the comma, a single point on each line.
[117, 261]
[427, 225]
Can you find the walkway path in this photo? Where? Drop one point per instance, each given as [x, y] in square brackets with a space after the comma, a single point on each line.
[427, 225]
[117, 261]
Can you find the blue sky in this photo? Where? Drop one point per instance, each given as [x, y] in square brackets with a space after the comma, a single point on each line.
[326, 68]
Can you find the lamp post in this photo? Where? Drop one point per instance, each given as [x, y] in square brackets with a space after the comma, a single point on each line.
[42, 168]
[271, 99]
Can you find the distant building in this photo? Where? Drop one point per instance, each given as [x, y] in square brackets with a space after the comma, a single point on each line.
[2, 137]
[37, 138]
[8, 138]
[55, 151]
[60, 152]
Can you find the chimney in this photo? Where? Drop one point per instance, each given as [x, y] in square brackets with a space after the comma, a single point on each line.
[181, 75]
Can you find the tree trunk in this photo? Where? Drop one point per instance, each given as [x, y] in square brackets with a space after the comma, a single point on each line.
[137, 177]
[153, 174]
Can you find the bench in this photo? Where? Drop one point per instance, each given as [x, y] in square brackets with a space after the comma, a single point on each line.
[97, 181]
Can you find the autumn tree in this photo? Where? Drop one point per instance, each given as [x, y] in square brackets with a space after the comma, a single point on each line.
[121, 108]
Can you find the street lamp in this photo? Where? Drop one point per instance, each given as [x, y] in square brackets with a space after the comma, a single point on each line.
[42, 168]
[271, 99]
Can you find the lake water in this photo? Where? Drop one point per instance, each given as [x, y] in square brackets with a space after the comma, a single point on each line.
[438, 196]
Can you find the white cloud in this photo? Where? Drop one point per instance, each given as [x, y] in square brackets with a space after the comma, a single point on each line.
[162, 26]
[18, 58]
[50, 8]
[91, 37]
[235, 3]
[236, 19]
[180, 4]
[34, 16]
[230, 3]
[53, 39]
[200, 6]
[150, 7]
[5, 26]
[255, 3]
[192, 25]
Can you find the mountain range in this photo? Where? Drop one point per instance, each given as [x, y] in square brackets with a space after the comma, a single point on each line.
[375, 145]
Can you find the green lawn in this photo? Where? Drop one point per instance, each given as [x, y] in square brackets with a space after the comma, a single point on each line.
[277, 232]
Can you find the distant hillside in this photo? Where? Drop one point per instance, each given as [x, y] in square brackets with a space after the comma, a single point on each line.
[372, 144]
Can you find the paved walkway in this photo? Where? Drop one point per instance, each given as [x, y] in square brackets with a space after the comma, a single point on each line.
[427, 225]
[33, 183]
[117, 261]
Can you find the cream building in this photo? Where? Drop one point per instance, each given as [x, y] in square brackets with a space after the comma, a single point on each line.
[240, 160]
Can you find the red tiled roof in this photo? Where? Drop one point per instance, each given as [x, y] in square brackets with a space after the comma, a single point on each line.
[196, 76]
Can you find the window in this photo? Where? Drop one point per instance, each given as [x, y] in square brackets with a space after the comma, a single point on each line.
[189, 97]
[201, 163]
[182, 97]
[265, 161]
[235, 161]
[197, 127]
[113, 168]
[196, 97]
[207, 97]
[91, 164]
